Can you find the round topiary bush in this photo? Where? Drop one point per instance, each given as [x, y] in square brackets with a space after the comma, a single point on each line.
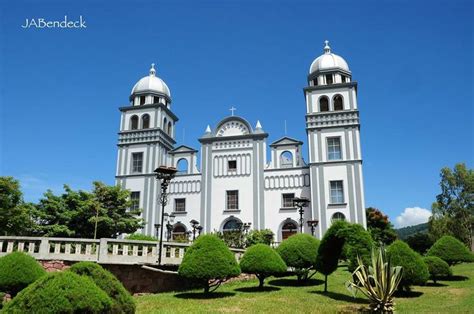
[451, 250]
[122, 300]
[357, 242]
[437, 267]
[60, 292]
[415, 271]
[17, 271]
[263, 261]
[299, 252]
[209, 259]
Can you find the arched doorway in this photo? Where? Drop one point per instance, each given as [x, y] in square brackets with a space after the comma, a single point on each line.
[179, 232]
[288, 229]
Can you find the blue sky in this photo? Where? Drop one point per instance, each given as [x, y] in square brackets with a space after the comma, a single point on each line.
[61, 89]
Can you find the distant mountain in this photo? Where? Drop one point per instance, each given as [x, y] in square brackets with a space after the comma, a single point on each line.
[405, 232]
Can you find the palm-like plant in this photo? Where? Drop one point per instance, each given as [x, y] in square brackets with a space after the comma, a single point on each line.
[378, 282]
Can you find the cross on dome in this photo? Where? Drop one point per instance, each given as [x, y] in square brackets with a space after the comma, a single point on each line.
[152, 70]
[232, 109]
[327, 49]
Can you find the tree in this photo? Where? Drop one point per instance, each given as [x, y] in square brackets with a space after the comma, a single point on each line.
[451, 250]
[103, 213]
[453, 210]
[380, 228]
[262, 261]
[437, 267]
[415, 271]
[209, 261]
[420, 242]
[17, 271]
[330, 250]
[264, 236]
[357, 243]
[15, 214]
[299, 252]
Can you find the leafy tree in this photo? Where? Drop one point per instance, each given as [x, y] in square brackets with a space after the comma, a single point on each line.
[122, 301]
[330, 250]
[451, 250]
[61, 292]
[299, 252]
[357, 242]
[17, 271]
[380, 228]
[420, 242]
[77, 213]
[437, 267]
[15, 214]
[262, 261]
[415, 271]
[209, 261]
[453, 210]
[264, 236]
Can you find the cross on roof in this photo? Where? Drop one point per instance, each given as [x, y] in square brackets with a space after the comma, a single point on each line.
[232, 109]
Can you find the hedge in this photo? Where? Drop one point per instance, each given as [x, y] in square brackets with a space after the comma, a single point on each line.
[263, 261]
[60, 292]
[299, 251]
[17, 271]
[437, 267]
[451, 250]
[122, 300]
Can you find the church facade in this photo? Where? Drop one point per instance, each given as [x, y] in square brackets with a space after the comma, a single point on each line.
[234, 182]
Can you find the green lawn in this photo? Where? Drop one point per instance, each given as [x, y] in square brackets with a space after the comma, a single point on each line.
[282, 296]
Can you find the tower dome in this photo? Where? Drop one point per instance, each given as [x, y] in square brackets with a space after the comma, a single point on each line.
[151, 84]
[328, 61]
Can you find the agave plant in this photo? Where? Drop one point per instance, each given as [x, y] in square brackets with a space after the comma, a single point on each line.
[378, 282]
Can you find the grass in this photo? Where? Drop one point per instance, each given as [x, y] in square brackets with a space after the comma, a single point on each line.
[282, 295]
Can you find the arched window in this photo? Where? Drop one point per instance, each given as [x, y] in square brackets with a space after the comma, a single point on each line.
[323, 104]
[134, 123]
[142, 100]
[169, 128]
[338, 217]
[286, 159]
[179, 232]
[145, 121]
[182, 166]
[289, 228]
[233, 224]
[338, 103]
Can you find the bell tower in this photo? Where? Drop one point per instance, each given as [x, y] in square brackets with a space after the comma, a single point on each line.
[333, 130]
[147, 134]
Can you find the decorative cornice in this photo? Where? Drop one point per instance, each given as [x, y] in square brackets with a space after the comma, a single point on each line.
[331, 86]
[333, 162]
[332, 119]
[314, 74]
[152, 135]
[254, 136]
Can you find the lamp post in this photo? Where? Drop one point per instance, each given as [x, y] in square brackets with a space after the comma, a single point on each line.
[199, 229]
[195, 226]
[165, 174]
[313, 224]
[300, 203]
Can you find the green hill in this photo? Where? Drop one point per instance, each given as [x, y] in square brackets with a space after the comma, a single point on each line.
[405, 232]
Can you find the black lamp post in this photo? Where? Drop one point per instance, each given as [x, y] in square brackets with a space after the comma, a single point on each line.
[165, 174]
[195, 226]
[199, 229]
[300, 203]
[313, 224]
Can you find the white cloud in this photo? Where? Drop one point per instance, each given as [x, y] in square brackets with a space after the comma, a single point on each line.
[412, 216]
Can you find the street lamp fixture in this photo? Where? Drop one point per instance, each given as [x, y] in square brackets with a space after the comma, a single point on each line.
[300, 203]
[165, 174]
[312, 224]
[195, 225]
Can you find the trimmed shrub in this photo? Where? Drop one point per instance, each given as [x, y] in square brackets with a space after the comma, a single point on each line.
[299, 251]
[451, 250]
[264, 236]
[262, 261]
[141, 237]
[415, 271]
[105, 280]
[437, 267]
[17, 271]
[330, 250]
[60, 292]
[209, 259]
[358, 242]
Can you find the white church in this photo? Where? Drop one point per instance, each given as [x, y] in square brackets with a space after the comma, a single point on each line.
[234, 182]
